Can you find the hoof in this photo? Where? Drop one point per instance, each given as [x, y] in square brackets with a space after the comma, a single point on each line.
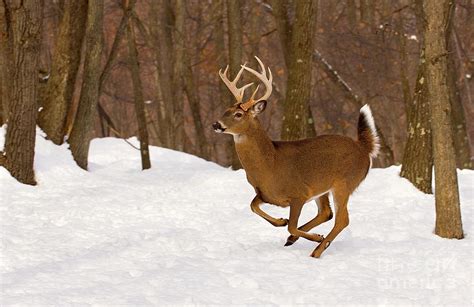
[320, 249]
[291, 240]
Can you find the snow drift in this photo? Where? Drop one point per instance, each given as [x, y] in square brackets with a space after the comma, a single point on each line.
[183, 233]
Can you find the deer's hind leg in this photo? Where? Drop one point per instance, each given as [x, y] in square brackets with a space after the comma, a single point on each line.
[324, 215]
[341, 197]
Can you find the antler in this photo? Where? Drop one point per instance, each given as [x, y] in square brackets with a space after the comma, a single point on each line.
[267, 81]
[232, 85]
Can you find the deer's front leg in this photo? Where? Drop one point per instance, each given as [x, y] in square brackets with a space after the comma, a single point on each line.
[295, 211]
[255, 206]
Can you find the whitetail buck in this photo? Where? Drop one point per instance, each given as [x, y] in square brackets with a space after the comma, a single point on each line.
[296, 172]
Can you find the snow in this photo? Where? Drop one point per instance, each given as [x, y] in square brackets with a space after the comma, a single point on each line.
[183, 233]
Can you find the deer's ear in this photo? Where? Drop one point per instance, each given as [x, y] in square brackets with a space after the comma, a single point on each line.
[258, 108]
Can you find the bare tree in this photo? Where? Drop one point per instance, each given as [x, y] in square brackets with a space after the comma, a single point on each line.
[234, 25]
[195, 105]
[138, 96]
[167, 28]
[448, 213]
[417, 164]
[5, 63]
[460, 137]
[297, 44]
[23, 19]
[81, 133]
[58, 93]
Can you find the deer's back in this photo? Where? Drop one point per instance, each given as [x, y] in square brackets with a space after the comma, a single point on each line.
[312, 166]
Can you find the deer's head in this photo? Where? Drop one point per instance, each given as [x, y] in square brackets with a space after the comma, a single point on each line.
[238, 119]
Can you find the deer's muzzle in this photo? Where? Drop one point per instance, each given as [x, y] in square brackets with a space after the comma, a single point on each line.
[218, 127]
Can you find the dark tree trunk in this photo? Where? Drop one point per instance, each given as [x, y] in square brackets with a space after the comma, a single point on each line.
[5, 62]
[81, 133]
[298, 95]
[177, 79]
[351, 13]
[160, 28]
[195, 106]
[167, 29]
[234, 21]
[221, 57]
[57, 96]
[460, 137]
[448, 211]
[24, 19]
[417, 163]
[138, 97]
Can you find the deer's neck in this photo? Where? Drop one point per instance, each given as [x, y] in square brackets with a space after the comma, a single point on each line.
[256, 151]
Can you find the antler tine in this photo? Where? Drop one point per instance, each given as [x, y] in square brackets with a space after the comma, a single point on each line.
[262, 76]
[232, 85]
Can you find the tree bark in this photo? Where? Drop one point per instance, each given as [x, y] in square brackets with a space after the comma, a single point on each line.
[351, 13]
[5, 62]
[282, 11]
[167, 28]
[221, 58]
[298, 95]
[460, 136]
[23, 19]
[81, 133]
[195, 106]
[417, 162]
[234, 21]
[138, 97]
[57, 96]
[448, 212]
[177, 79]
[161, 31]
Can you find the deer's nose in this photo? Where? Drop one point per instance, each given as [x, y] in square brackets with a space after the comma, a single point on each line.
[218, 127]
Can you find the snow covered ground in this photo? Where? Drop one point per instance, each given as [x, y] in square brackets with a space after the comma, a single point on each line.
[183, 233]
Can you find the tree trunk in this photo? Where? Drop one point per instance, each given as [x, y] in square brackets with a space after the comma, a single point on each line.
[221, 57]
[448, 212]
[298, 95]
[114, 50]
[177, 79]
[6, 57]
[417, 162]
[351, 13]
[138, 97]
[461, 139]
[57, 96]
[81, 133]
[161, 31]
[281, 11]
[234, 21]
[195, 106]
[167, 28]
[23, 19]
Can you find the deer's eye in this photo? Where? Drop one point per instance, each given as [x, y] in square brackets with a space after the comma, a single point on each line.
[238, 115]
